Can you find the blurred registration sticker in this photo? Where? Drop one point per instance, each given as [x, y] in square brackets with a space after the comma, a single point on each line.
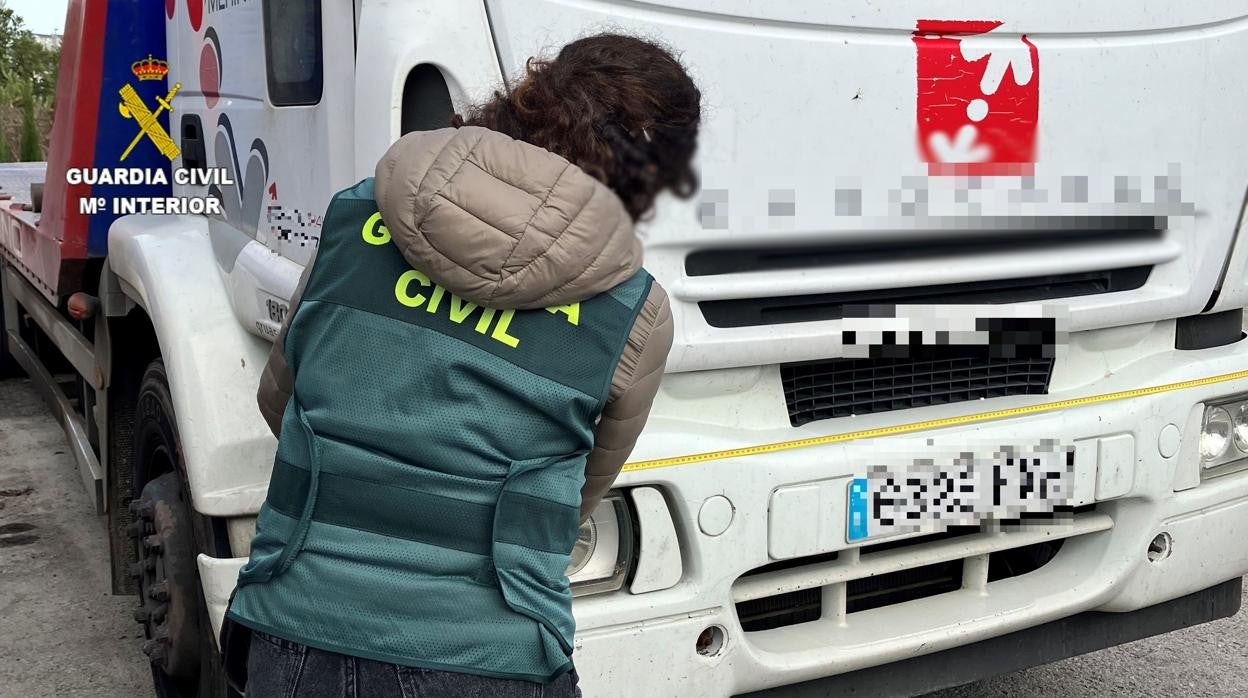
[931, 495]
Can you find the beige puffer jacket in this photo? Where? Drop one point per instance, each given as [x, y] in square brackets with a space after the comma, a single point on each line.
[505, 224]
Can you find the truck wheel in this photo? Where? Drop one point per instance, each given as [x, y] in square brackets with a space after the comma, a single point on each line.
[168, 535]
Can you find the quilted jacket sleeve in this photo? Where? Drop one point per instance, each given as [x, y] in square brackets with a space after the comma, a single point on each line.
[633, 387]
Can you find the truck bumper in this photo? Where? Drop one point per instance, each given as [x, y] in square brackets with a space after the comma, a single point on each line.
[1079, 634]
[1063, 609]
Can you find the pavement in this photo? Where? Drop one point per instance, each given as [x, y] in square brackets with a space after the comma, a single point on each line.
[63, 634]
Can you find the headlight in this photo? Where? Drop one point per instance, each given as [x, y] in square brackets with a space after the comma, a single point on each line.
[1224, 435]
[603, 552]
[1215, 435]
[1240, 428]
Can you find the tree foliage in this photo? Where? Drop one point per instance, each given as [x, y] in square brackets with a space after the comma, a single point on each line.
[23, 60]
[30, 150]
[28, 72]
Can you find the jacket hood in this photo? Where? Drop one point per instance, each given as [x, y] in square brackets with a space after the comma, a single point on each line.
[503, 223]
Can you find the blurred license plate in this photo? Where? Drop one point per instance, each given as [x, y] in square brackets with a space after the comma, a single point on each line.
[930, 495]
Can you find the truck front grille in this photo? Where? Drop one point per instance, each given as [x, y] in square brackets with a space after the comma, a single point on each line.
[938, 375]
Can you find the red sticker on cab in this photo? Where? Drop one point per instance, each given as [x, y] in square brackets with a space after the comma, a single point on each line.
[978, 98]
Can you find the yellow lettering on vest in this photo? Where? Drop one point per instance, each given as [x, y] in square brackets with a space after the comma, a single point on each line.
[571, 312]
[500, 330]
[460, 310]
[436, 300]
[374, 233]
[402, 288]
[483, 323]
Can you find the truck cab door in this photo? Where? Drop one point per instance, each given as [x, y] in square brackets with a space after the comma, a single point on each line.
[418, 63]
[266, 102]
[266, 107]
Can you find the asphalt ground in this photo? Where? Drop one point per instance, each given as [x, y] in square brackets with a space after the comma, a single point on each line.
[63, 634]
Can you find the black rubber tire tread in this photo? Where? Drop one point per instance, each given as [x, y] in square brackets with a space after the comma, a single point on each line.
[154, 401]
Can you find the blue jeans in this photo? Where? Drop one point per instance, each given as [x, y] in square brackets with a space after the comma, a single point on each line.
[278, 668]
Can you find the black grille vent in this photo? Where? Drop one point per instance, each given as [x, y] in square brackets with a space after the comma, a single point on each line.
[843, 387]
[1054, 235]
[781, 610]
[778, 310]
[806, 605]
[902, 586]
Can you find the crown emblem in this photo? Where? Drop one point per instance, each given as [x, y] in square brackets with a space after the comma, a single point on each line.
[149, 68]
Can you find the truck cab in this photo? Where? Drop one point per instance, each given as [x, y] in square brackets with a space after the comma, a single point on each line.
[931, 237]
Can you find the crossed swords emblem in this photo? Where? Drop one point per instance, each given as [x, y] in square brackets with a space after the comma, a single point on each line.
[132, 107]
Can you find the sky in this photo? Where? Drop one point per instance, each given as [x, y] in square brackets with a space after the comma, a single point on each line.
[40, 16]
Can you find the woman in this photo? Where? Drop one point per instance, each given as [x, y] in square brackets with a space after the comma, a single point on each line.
[470, 361]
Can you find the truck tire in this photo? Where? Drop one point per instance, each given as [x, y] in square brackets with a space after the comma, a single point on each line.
[168, 535]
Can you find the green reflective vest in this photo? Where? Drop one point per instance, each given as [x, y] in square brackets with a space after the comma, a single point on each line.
[425, 494]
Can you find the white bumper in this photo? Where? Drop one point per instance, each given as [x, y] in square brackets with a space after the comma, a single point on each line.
[1108, 571]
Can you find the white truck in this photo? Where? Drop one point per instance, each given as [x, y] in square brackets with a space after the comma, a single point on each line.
[933, 238]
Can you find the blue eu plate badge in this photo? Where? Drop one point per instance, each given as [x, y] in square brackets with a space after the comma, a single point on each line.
[857, 525]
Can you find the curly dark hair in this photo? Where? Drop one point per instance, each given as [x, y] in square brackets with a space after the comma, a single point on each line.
[623, 109]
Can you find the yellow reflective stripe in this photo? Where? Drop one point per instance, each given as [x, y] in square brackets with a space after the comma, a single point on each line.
[929, 424]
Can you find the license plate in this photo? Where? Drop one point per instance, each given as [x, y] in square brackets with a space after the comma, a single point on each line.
[930, 495]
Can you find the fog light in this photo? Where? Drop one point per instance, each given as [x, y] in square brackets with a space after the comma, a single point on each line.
[1240, 428]
[1160, 548]
[603, 552]
[1215, 435]
[710, 641]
